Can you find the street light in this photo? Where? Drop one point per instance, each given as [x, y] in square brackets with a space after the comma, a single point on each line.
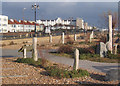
[23, 18]
[35, 57]
[35, 7]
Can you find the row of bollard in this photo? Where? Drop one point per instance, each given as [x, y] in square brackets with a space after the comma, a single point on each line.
[76, 55]
[63, 38]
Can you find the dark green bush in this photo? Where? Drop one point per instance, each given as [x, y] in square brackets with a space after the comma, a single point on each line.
[118, 51]
[65, 49]
[12, 43]
[87, 56]
[83, 51]
[112, 56]
[118, 35]
[69, 40]
[60, 73]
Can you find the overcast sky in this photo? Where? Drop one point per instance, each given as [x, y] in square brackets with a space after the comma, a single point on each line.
[90, 11]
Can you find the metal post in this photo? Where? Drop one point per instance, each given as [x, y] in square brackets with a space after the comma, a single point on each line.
[23, 18]
[35, 56]
[35, 22]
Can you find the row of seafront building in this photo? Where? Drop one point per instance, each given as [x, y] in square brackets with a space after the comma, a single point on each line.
[12, 25]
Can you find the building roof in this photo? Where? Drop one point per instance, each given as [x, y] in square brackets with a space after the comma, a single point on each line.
[22, 22]
[10, 22]
[16, 22]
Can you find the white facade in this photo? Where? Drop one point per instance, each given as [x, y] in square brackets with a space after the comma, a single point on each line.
[90, 28]
[53, 22]
[3, 24]
[20, 26]
[86, 26]
[80, 23]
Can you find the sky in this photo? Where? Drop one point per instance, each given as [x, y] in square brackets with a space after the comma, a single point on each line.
[90, 12]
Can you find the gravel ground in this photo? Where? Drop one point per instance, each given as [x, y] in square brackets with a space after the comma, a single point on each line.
[19, 73]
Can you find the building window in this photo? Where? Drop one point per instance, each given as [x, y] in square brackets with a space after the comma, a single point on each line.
[14, 25]
[5, 19]
[4, 24]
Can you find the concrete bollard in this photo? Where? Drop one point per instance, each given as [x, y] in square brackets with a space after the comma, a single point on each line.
[26, 35]
[20, 36]
[24, 53]
[63, 38]
[116, 49]
[75, 37]
[50, 39]
[76, 60]
[110, 33]
[35, 55]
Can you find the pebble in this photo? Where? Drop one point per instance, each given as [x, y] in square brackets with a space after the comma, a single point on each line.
[34, 76]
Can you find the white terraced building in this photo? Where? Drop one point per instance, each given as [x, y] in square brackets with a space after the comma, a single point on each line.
[54, 22]
[13, 25]
[57, 24]
[3, 24]
[20, 26]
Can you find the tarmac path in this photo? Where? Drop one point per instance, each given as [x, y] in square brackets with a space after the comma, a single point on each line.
[85, 64]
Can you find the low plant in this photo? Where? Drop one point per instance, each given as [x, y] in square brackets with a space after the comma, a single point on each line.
[3, 45]
[112, 56]
[118, 51]
[65, 49]
[87, 56]
[61, 73]
[29, 61]
[83, 50]
[118, 35]
[69, 40]
[12, 43]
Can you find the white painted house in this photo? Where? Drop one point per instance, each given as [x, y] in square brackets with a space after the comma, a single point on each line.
[57, 24]
[26, 26]
[3, 24]
[53, 22]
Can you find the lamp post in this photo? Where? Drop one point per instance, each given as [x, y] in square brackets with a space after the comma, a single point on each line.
[35, 7]
[23, 18]
[35, 54]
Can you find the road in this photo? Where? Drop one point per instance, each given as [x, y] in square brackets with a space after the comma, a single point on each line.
[89, 65]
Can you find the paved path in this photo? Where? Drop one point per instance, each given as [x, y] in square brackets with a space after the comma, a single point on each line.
[85, 64]
[89, 65]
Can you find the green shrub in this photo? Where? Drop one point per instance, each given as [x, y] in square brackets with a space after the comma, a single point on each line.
[69, 40]
[83, 51]
[28, 61]
[87, 56]
[60, 73]
[12, 43]
[118, 35]
[118, 51]
[112, 56]
[65, 49]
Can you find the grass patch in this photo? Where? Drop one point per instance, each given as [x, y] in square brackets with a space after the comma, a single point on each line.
[54, 71]
[61, 73]
[90, 57]
[29, 61]
[62, 54]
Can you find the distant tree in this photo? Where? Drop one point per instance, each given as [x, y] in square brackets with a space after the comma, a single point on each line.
[114, 20]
